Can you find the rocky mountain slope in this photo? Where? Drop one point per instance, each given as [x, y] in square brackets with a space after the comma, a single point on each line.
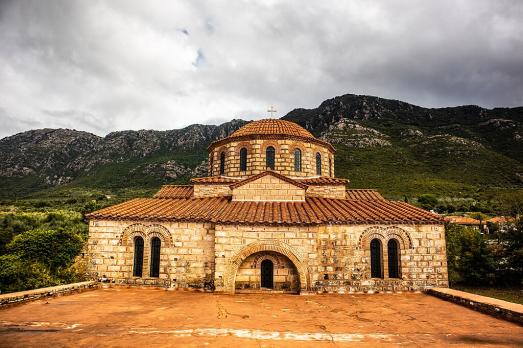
[394, 146]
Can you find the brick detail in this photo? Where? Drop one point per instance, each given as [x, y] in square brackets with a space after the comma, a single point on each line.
[201, 191]
[327, 191]
[260, 246]
[284, 158]
[268, 188]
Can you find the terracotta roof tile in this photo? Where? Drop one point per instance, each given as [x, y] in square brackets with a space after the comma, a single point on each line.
[322, 180]
[271, 129]
[272, 126]
[175, 191]
[501, 219]
[215, 180]
[363, 194]
[315, 210]
[462, 220]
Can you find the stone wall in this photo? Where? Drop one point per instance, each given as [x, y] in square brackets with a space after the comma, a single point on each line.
[268, 188]
[337, 258]
[20, 297]
[284, 158]
[206, 190]
[328, 258]
[327, 191]
[186, 254]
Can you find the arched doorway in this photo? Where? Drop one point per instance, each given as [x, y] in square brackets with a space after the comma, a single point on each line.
[267, 270]
[267, 274]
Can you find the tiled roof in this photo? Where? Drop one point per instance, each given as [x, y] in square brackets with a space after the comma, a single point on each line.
[175, 191]
[462, 220]
[215, 180]
[272, 129]
[275, 174]
[501, 219]
[272, 126]
[322, 180]
[364, 195]
[314, 210]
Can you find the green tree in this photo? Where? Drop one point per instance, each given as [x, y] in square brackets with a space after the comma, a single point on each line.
[509, 253]
[53, 248]
[470, 260]
[428, 201]
[17, 274]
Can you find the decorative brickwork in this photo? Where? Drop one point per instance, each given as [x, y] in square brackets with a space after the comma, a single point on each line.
[263, 246]
[268, 188]
[284, 158]
[201, 191]
[327, 191]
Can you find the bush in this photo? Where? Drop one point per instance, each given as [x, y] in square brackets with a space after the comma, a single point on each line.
[53, 248]
[17, 274]
[509, 253]
[469, 258]
[428, 201]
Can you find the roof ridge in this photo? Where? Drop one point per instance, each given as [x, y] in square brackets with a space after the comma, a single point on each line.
[265, 173]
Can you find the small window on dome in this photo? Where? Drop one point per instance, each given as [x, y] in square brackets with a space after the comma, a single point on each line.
[318, 163]
[269, 157]
[297, 160]
[222, 163]
[243, 159]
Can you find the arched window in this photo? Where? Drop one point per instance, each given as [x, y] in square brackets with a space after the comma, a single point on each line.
[243, 159]
[394, 259]
[222, 163]
[156, 243]
[297, 160]
[375, 259]
[318, 163]
[138, 257]
[330, 167]
[269, 157]
[211, 163]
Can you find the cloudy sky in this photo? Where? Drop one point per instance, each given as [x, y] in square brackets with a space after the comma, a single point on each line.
[101, 66]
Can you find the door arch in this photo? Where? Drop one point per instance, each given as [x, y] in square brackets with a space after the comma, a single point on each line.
[273, 245]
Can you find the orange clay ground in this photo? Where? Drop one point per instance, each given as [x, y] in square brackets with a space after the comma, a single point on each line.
[122, 317]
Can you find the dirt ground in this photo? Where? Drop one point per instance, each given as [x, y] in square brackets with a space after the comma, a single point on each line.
[121, 317]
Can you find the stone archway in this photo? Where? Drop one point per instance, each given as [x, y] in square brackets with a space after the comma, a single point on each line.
[256, 247]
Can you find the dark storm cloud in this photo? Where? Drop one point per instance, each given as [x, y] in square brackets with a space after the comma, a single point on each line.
[108, 65]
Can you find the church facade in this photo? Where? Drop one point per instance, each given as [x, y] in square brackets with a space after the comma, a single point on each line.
[271, 216]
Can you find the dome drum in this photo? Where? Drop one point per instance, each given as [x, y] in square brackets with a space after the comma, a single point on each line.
[277, 145]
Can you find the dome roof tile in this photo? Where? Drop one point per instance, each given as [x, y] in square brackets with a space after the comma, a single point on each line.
[272, 127]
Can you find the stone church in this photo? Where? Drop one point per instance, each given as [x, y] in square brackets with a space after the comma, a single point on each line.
[272, 217]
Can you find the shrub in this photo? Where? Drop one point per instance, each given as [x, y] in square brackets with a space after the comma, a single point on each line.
[17, 274]
[428, 201]
[53, 248]
[509, 253]
[469, 258]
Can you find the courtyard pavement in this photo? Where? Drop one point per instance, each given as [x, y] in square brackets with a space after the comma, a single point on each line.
[122, 317]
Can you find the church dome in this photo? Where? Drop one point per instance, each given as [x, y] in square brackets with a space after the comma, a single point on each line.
[272, 127]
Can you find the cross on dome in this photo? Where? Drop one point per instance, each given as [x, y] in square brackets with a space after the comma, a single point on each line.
[271, 110]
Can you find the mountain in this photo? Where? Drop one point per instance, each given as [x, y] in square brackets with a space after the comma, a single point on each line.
[399, 148]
